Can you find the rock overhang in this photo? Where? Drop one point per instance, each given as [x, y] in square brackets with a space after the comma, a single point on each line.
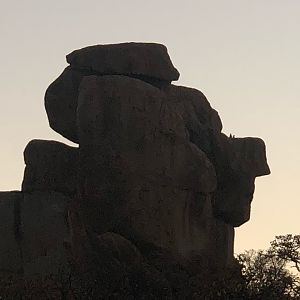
[150, 60]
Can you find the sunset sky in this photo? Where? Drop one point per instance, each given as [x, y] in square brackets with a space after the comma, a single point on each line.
[243, 55]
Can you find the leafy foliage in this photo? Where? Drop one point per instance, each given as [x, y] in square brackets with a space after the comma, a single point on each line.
[268, 273]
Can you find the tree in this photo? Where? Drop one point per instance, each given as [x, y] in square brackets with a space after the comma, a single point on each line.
[287, 247]
[268, 273]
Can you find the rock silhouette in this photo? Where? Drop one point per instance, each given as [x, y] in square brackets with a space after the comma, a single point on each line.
[146, 61]
[154, 185]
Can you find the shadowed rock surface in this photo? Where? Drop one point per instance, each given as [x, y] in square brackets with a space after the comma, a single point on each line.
[146, 61]
[139, 149]
[50, 166]
[10, 250]
[149, 200]
[149, 60]
[33, 229]
[61, 103]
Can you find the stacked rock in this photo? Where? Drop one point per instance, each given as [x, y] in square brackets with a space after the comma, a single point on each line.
[153, 172]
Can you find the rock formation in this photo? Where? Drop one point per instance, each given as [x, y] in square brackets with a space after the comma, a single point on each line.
[154, 185]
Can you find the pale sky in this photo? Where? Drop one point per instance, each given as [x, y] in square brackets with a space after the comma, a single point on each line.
[242, 54]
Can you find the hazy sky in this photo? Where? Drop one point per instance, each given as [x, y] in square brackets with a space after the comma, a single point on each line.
[243, 54]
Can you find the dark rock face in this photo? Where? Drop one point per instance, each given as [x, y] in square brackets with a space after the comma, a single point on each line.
[249, 156]
[132, 59]
[134, 150]
[50, 166]
[243, 160]
[198, 116]
[32, 232]
[152, 151]
[10, 250]
[61, 103]
[44, 229]
[150, 198]
[122, 249]
[237, 161]
[148, 62]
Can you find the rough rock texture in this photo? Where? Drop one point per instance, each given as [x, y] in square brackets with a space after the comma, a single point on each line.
[117, 265]
[243, 159]
[149, 62]
[50, 166]
[148, 202]
[249, 156]
[61, 102]
[198, 116]
[44, 229]
[33, 229]
[237, 161]
[122, 249]
[137, 153]
[10, 250]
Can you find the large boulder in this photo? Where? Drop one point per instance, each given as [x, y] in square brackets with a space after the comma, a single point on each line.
[237, 161]
[241, 161]
[248, 155]
[139, 174]
[50, 166]
[61, 102]
[197, 113]
[146, 61]
[149, 201]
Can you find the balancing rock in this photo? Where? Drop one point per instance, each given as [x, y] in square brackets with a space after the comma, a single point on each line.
[149, 199]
